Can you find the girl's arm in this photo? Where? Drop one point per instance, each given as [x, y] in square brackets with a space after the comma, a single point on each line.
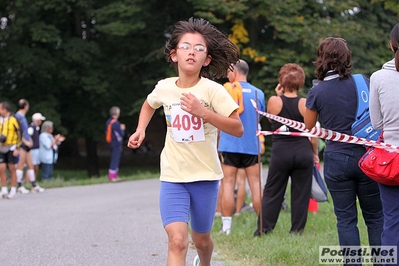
[231, 125]
[137, 137]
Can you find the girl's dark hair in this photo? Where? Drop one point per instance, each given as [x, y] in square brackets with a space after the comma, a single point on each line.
[291, 77]
[224, 52]
[333, 54]
[395, 44]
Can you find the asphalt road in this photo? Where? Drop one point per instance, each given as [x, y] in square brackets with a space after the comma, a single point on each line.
[96, 225]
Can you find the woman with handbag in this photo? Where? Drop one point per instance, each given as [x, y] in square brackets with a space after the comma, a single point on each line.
[384, 98]
[335, 100]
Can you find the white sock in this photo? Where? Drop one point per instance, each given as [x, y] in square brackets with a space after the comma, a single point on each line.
[4, 190]
[13, 190]
[226, 223]
[20, 174]
[31, 175]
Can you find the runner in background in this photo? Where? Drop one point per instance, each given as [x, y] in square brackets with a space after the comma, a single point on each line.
[236, 153]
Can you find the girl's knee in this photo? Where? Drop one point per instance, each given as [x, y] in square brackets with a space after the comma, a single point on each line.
[178, 243]
[202, 241]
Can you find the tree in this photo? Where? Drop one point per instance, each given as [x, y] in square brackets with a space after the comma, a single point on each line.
[74, 59]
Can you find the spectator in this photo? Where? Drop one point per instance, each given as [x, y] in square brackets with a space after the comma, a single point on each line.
[384, 98]
[241, 152]
[9, 148]
[115, 132]
[34, 132]
[48, 149]
[25, 157]
[195, 108]
[290, 156]
[334, 99]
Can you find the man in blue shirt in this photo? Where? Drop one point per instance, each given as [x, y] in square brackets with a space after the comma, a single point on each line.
[25, 156]
[241, 152]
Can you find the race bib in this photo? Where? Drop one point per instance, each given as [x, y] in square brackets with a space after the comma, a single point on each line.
[185, 126]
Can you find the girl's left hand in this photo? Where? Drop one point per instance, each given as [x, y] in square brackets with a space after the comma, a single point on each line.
[192, 105]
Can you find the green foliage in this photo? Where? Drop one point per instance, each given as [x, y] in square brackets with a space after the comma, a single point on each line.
[44, 33]
[392, 5]
[74, 59]
[115, 19]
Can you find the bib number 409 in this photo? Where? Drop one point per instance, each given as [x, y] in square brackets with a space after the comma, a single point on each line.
[186, 127]
[185, 123]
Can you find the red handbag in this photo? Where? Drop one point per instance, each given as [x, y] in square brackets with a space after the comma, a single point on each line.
[381, 165]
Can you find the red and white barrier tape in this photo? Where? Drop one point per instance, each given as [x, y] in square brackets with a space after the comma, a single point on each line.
[323, 133]
[286, 133]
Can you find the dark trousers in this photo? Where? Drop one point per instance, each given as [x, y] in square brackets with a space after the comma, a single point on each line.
[390, 206]
[295, 160]
[116, 151]
[347, 183]
[47, 171]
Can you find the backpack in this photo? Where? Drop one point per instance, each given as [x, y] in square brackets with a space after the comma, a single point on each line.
[362, 127]
[108, 132]
[235, 90]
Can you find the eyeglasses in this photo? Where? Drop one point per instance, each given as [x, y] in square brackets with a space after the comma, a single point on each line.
[199, 48]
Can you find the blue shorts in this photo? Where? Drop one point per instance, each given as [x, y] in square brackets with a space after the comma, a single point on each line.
[35, 156]
[197, 200]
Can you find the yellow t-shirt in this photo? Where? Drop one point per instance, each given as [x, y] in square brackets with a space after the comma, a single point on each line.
[191, 161]
[9, 127]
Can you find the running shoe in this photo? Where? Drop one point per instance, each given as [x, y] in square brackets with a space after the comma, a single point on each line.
[196, 261]
[22, 190]
[11, 195]
[37, 189]
[224, 232]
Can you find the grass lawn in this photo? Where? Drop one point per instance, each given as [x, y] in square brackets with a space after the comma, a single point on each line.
[64, 178]
[279, 248]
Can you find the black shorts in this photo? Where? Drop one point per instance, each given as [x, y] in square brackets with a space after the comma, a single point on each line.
[8, 158]
[239, 160]
[26, 148]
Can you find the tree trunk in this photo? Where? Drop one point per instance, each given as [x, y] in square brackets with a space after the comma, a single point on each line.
[92, 158]
[70, 147]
